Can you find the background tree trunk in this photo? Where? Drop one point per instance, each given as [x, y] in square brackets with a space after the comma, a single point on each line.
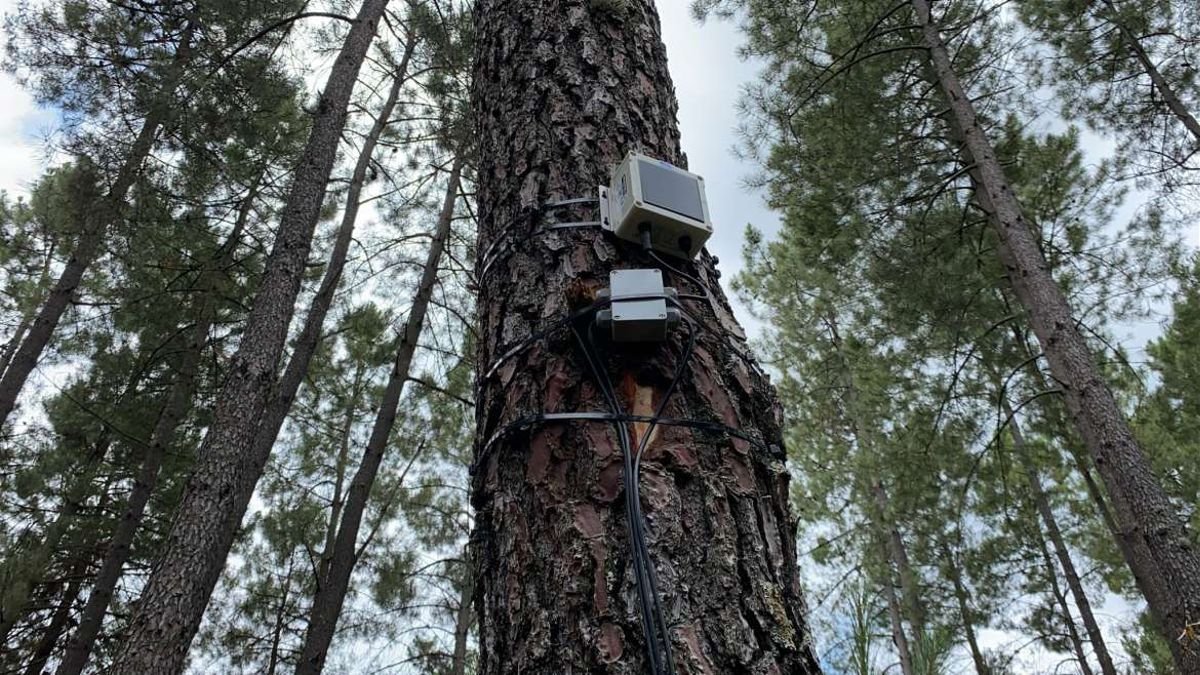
[179, 400]
[562, 90]
[1042, 503]
[58, 621]
[1143, 507]
[228, 466]
[1164, 88]
[314, 320]
[331, 589]
[962, 598]
[94, 220]
[463, 618]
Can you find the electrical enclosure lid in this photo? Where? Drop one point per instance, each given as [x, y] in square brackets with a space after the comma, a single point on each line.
[639, 307]
[670, 200]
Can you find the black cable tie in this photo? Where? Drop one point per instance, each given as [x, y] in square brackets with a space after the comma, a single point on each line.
[530, 420]
[568, 202]
[492, 253]
[578, 314]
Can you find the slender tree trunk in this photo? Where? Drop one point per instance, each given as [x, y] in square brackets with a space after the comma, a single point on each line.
[331, 590]
[20, 566]
[914, 608]
[895, 619]
[178, 402]
[1143, 506]
[963, 599]
[27, 318]
[1060, 599]
[892, 546]
[228, 465]
[1133, 548]
[339, 480]
[895, 557]
[1074, 584]
[314, 321]
[14, 342]
[463, 619]
[95, 221]
[562, 90]
[23, 563]
[280, 612]
[1164, 88]
[58, 621]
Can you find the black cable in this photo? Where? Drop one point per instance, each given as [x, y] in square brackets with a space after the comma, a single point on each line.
[637, 462]
[637, 520]
[608, 417]
[503, 241]
[679, 273]
[570, 318]
[641, 580]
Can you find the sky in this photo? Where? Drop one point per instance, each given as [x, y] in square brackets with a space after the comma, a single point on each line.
[708, 76]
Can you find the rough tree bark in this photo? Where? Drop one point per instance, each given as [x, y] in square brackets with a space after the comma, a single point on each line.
[229, 462]
[1143, 508]
[314, 320]
[332, 587]
[562, 90]
[178, 402]
[1042, 503]
[95, 219]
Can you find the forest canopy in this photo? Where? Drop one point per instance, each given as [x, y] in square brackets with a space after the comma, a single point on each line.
[307, 360]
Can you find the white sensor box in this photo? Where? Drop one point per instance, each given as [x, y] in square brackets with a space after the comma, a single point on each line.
[668, 199]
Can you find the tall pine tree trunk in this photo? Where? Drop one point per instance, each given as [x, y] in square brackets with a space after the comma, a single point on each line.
[331, 589]
[58, 621]
[309, 339]
[339, 478]
[1164, 88]
[891, 543]
[1133, 548]
[1064, 608]
[27, 317]
[94, 220]
[1042, 503]
[229, 462]
[178, 402]
[280, 619]
[1143, 506]
[463, 618]
[963, 599]
[562, 90]
[914, 608]
[896, 618]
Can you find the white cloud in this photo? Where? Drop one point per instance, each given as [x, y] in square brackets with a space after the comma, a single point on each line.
[23, 126]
